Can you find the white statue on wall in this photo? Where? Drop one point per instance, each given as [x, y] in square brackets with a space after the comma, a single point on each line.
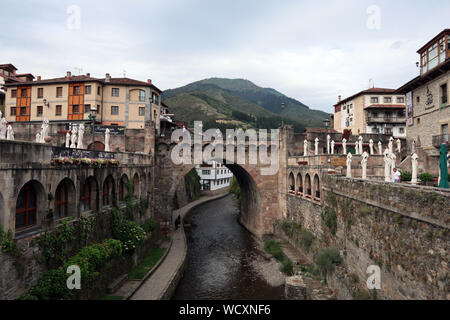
[414, 165]
[3, 124]
[391, 145]
[305, 147]
[73, 138]
[316, 146]
[80, 137]
[413, 147]
[107, 136]
[380, 148]
[44, 130]
[332, 147]
[10, 133]
[328, 144]
[344, 145]
[38, 137]
[360, 143]
[371, 146]
[67, 140]
[399, 145]
[365, 158]
[349, 165]
[393, 165]
[387, 166]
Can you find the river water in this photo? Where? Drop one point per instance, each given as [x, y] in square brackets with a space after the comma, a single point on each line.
[220, 259]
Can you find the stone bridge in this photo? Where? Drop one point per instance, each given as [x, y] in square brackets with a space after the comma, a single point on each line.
[262, 196]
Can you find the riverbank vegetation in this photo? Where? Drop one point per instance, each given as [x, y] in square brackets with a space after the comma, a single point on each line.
[274, 248]
[236, 190]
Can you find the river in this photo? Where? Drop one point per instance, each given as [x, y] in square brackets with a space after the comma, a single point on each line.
[221, 258]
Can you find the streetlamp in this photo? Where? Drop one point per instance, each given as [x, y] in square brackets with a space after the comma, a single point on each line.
[92, 116]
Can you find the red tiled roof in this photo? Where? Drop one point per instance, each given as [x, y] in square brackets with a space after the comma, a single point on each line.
[368, 91]
[7, 66]
[386, 106]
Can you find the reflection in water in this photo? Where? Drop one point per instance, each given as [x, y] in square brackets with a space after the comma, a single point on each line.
[220, 252]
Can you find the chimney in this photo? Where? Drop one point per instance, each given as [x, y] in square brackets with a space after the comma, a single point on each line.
[107, 77]
[339, 98]
[149, 81]
[88, 75]
[38, 78]
[69, 74]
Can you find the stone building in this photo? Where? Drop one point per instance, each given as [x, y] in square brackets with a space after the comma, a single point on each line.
[214, 177]
[119, 102]
[428, 112]
[375, 110]
[8, 74]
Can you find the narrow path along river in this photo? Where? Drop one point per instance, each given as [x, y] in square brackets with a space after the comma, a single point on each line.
[224, 260]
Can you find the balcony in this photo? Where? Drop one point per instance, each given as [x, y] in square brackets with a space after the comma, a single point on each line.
[386, 119]
[439, 140]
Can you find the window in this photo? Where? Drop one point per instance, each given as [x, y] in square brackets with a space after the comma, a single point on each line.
[142, 111]
[374, 100]
[23, 111]
[58, 111]
[59, 92]
[88, 90]
[387, 100]
[115, 92]
[154, 115]
[108, 191]
[418, 120]
[123, 188]
[98, 90]
[13, 111]
[24, 93]
[14, 93]
[444, 95]
[76, 90]
[26, 207]
[75, 109]
[418, 99]
[86, 197]
[40, 111]
[400, 100]
[115, 110]
[61, 201]
[87, 108]
[155, 99]
[401, 130]
[141, 95]
[40, 93]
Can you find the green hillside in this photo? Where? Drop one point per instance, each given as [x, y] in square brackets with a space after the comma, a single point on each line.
[230, 103]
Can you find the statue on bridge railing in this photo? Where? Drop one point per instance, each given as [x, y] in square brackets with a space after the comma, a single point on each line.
[365, 158]
[387, 166]
[399, 146]
[414, 165]
[9, 133]
[44, 130]
[73, 139]
[349, 165]
[67, 140]
[80, 137]
[380, 148]
[332, 147]
[107, 137]
[344, 145]
[305, 148]
[371, 146]
[316, 146]
[3, 124]
[391, 145]
[328, 144]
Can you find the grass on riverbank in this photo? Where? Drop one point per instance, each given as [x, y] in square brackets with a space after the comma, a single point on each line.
[139, 272]
[274, 248]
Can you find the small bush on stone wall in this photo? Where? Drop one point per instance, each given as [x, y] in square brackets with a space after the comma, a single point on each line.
[330, 218]
[426, 177]
[130, 234]
[274, 248]
[327, 258]
[150, 225]
[306, 238]
[406, 176]
[364, 211]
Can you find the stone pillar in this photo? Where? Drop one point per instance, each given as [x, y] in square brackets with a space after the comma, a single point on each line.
[295, 288]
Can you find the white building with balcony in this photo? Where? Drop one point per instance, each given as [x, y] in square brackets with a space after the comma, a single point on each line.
[214, 176]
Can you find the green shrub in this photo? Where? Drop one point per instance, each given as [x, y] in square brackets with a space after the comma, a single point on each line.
[330, 218]
[274, 248]
[287, 267]
[426, 177]
[149, 225]
[406, 176]
[306, 238]
[365, 211]
[327, 258]
[7, 243]
[130, 234]
[51, 286]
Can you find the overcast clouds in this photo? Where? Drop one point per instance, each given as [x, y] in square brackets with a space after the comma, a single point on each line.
[309, 50]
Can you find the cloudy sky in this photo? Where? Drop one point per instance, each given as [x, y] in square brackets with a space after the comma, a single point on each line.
[309, 50]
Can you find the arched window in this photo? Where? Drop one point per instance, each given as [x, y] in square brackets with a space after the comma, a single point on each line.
[61, 201]
[316, 186]
[123, 188]
[136, 191]
[89, 195]
[299, 183]
[26, 207]
[308, 185]
[291, 182]
[108, 191]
